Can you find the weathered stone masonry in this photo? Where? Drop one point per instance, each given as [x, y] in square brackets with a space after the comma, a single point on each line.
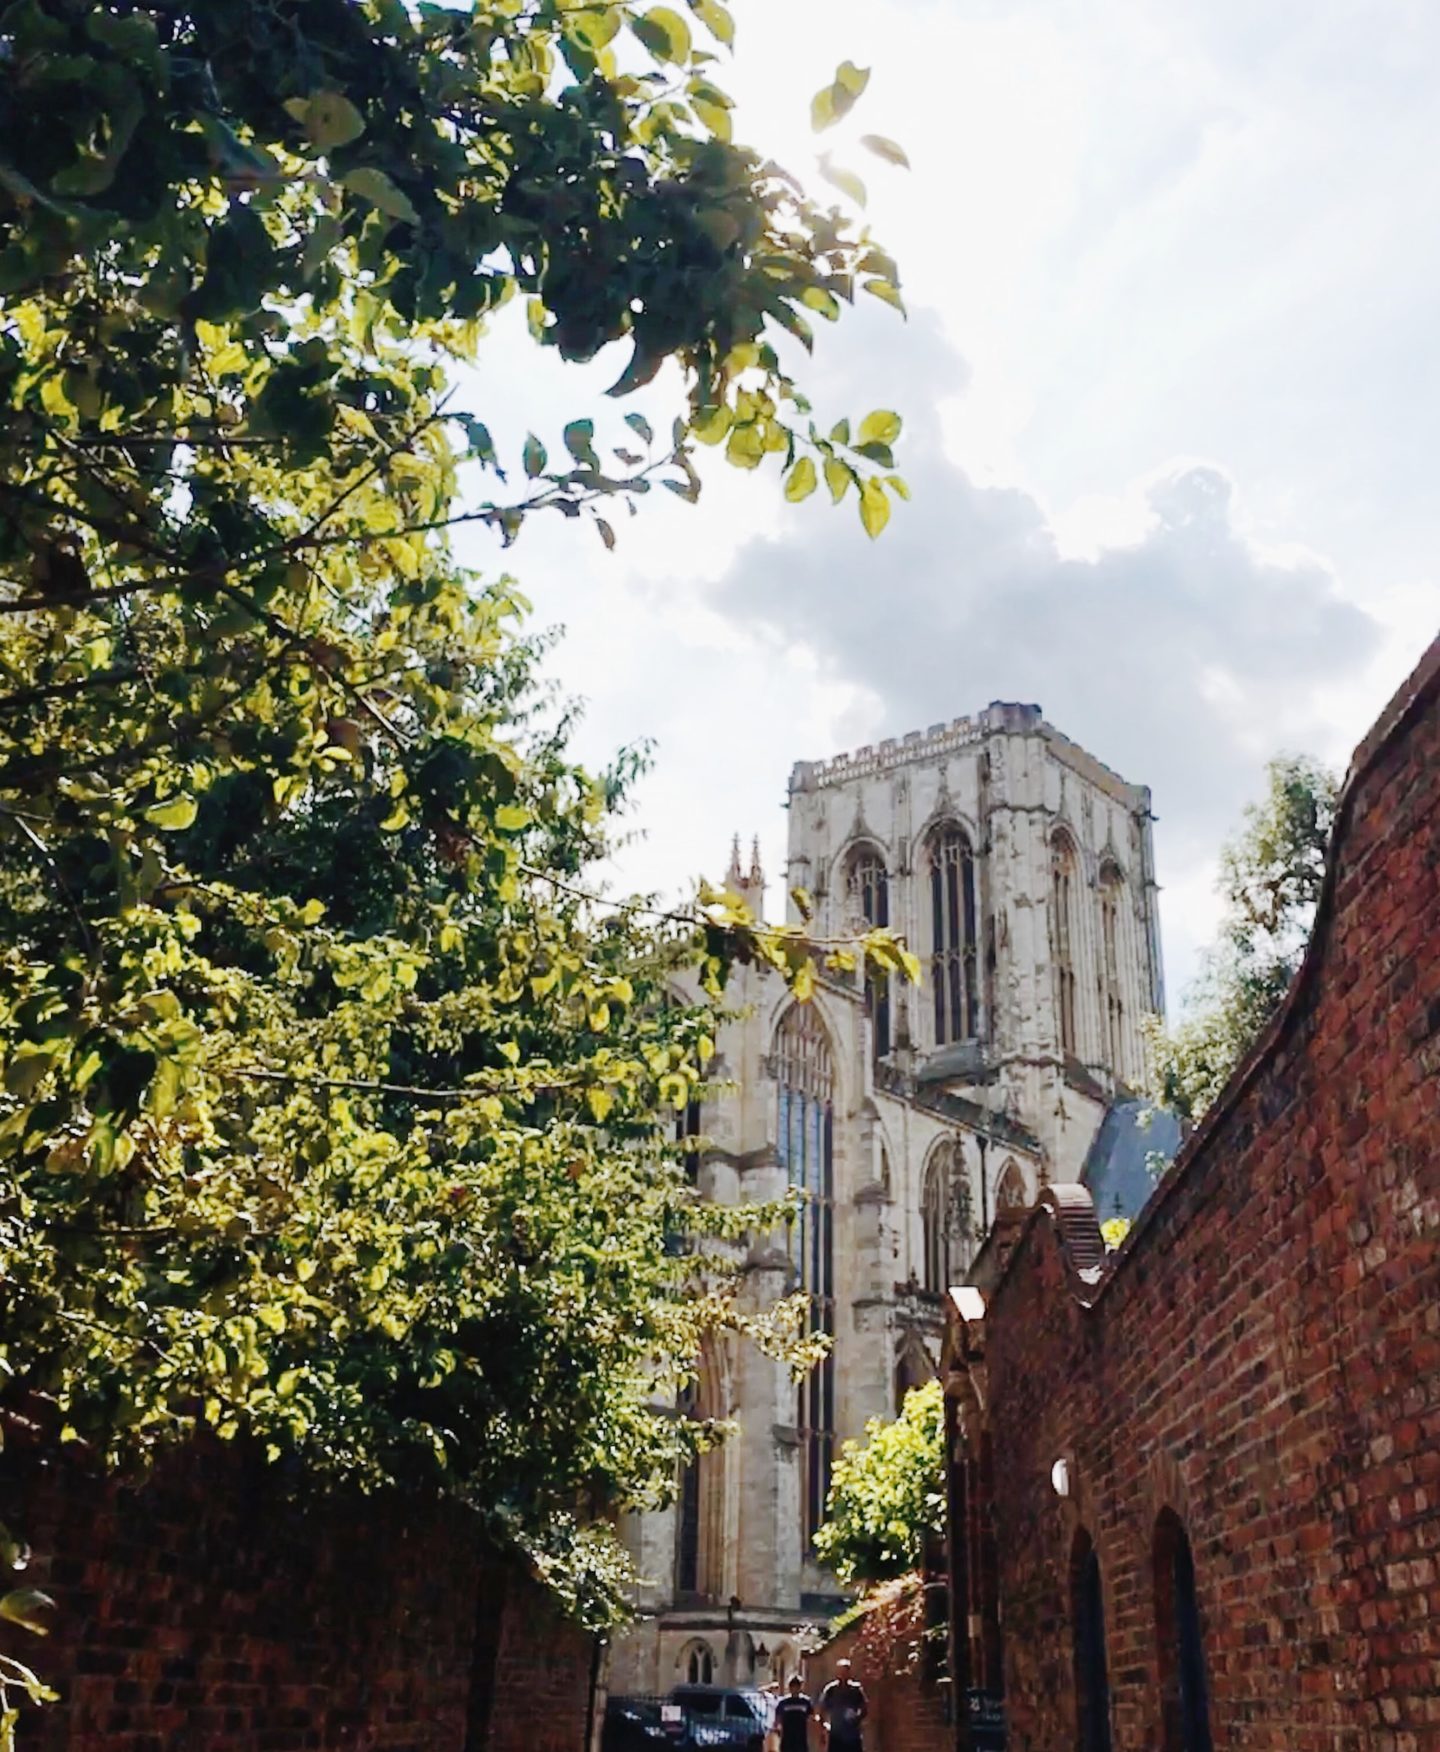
[1259, 1368]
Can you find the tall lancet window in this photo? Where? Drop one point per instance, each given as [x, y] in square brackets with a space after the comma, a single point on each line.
[1112, 891]
[1063, 880]
[1092, 1676]
[946, 1218]
[870, 891]
[806, 1133]
[952, 937]
[700, 1531]
[1184, 1700]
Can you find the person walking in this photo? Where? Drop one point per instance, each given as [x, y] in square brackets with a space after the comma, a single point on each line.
[793, 1715]
[843, 1707]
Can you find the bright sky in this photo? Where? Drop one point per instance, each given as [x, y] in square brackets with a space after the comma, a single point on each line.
[1172, 402]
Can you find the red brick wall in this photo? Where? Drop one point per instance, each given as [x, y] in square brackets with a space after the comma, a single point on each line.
[210, 1610]
[1264, 1356]
[907, 1708]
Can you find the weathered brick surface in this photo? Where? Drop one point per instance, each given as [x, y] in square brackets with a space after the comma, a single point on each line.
[1264, 1357]
[209, 1609]
[908, 1709]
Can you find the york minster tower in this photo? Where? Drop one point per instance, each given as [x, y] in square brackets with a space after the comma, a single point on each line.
[1020, 870]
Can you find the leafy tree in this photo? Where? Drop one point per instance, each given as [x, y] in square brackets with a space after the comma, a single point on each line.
[1270, 877]
[888, 1493]
[335, 1110]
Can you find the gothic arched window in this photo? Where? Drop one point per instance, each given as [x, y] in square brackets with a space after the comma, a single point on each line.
[1010, 1193]
[698, 1663]
[1063, 882]
[699, 1546]
[1112, 890]
[804, 1070]
[913, 1369]
[945, 1218]
[1184, 1700]
[952, 936]
[869, 887]
[1092, 1675]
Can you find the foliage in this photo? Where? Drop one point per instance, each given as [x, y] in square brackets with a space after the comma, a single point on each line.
[337, 1110]
[1114, 1230]
[1270, 877]
[25, 1607]
[887, 1629]
[887, 1493]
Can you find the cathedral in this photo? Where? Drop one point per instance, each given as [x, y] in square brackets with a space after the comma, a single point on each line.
[1020, 870]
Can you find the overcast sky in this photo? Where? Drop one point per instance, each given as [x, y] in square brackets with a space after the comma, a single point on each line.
[1172, 402]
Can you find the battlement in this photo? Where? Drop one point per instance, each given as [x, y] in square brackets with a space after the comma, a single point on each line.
[1000, 717]
[915, 745]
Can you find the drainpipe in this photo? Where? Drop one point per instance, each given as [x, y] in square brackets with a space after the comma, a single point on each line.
[592, 1713]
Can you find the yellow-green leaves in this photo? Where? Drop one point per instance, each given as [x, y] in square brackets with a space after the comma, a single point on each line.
[712, 106]
[664, 33]
[27, 1068]
[745, 446]
[301, 1005]
[845, 180]
[800, 482]
[886, 292]
[838, 477]
[328, 118]
[716, 19]
[879, 427]
[819, 298]
[710, 425]
[874, 507]
[596, 27]
[25, 1606]
[377, 187]
[833, 102]
[175, 814]
[888, 1493]
[886, 149]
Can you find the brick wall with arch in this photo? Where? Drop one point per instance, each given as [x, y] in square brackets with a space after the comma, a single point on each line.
[1215, 1496]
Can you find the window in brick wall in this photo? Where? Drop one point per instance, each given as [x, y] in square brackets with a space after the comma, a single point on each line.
[804, 1071]
[1092, 1673]
[1184, 1692]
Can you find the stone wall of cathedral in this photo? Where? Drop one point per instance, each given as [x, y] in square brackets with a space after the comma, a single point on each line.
[1020, 871]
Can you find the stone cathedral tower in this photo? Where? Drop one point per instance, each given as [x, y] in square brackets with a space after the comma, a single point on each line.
[1021, 872]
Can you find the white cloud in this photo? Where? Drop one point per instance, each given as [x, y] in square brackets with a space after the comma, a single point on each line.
[1182, 658]
[1180, 490]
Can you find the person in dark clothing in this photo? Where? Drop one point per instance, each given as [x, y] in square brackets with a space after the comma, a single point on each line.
[843, 1706]
[793, 1715]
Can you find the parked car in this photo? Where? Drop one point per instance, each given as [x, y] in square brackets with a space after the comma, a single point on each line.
[633, 1724]
[721, 1716]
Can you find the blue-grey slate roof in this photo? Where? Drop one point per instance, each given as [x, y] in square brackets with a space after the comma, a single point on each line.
[1115, 1172]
